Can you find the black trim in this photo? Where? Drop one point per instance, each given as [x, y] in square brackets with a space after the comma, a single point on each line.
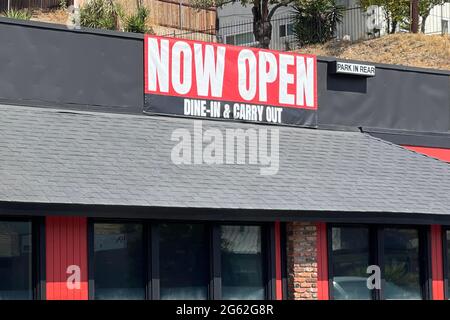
[329, 261]
[155, 262]
[378, 239]
[284, 264]
[409, 138]
[215, 214]
[426, 262]
[91, 260]
[216, 263]
[147, 258]
[60, 27]
[269, 242]
[387, 66]
[445, 261]
[41, 286]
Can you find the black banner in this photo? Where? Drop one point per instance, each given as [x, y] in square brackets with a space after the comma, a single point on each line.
[227, 110]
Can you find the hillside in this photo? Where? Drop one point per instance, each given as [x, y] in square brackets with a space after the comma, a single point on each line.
[418, 50]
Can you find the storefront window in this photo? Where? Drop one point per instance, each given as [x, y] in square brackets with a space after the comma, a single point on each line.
[178, 261]
[242, 263]
[15, 260]
[396, 251]
[350, 251]
[184, 261]
[401, 264]
[119, 261]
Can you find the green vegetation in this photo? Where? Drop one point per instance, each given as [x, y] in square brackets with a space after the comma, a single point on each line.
[105, 14]
[262, 11]
[316, 21]
[137, 22]
[397, 12]
[18, 14]
[100, 14]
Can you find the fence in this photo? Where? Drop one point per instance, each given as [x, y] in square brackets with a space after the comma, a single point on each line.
[356, 24]
[29, 4]
[177, 18]
[169, 15]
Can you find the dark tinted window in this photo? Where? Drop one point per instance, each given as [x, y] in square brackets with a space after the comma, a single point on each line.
[402, 264]
[242, 263]
[184, 261]
[350, 259]
[119, 261]
[282, 30]
[15, 260]
[447, 234]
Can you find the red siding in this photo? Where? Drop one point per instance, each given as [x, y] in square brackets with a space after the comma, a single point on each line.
[322, 262]
[279, 281]
[66, 244]
[441, 154]
[437, 266]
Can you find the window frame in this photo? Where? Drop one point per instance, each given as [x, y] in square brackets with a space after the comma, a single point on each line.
[152, 259]
[376, 255]
[38, 280]
[445, 261]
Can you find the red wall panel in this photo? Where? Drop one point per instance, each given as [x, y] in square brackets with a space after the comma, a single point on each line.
[66, 245]
[322, 262]
[437, 266]
[278, 273]
[441, 154]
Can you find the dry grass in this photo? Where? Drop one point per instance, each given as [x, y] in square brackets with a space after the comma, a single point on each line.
[57, 16]
[418, 50]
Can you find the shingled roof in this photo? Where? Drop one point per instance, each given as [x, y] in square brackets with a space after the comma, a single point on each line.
[54, 156]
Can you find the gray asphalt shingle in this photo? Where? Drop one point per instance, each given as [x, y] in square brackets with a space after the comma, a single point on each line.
[92, 158]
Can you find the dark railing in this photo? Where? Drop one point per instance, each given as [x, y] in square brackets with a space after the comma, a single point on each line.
[30, 4]
[357, 24]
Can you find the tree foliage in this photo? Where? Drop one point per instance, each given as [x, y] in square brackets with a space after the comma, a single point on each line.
[397, 12]
[316, 21]
[425, 7]
[262, 11]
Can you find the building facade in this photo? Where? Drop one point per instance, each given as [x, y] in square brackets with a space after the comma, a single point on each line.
[93, 206]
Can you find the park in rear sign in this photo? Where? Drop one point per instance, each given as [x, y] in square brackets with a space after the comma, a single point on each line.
[210, 80]
[355, 69]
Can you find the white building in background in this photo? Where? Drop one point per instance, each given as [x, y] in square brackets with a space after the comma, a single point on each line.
[235, 24]
[439, 20]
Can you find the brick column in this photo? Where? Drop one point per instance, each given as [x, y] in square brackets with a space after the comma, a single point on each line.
[305, 263]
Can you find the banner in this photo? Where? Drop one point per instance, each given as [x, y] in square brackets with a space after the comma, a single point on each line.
[210, 80]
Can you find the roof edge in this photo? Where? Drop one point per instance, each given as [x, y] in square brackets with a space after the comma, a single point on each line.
[220, 214]
[140, 37]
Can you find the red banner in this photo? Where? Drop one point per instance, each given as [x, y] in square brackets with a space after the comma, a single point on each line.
[243, 78]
